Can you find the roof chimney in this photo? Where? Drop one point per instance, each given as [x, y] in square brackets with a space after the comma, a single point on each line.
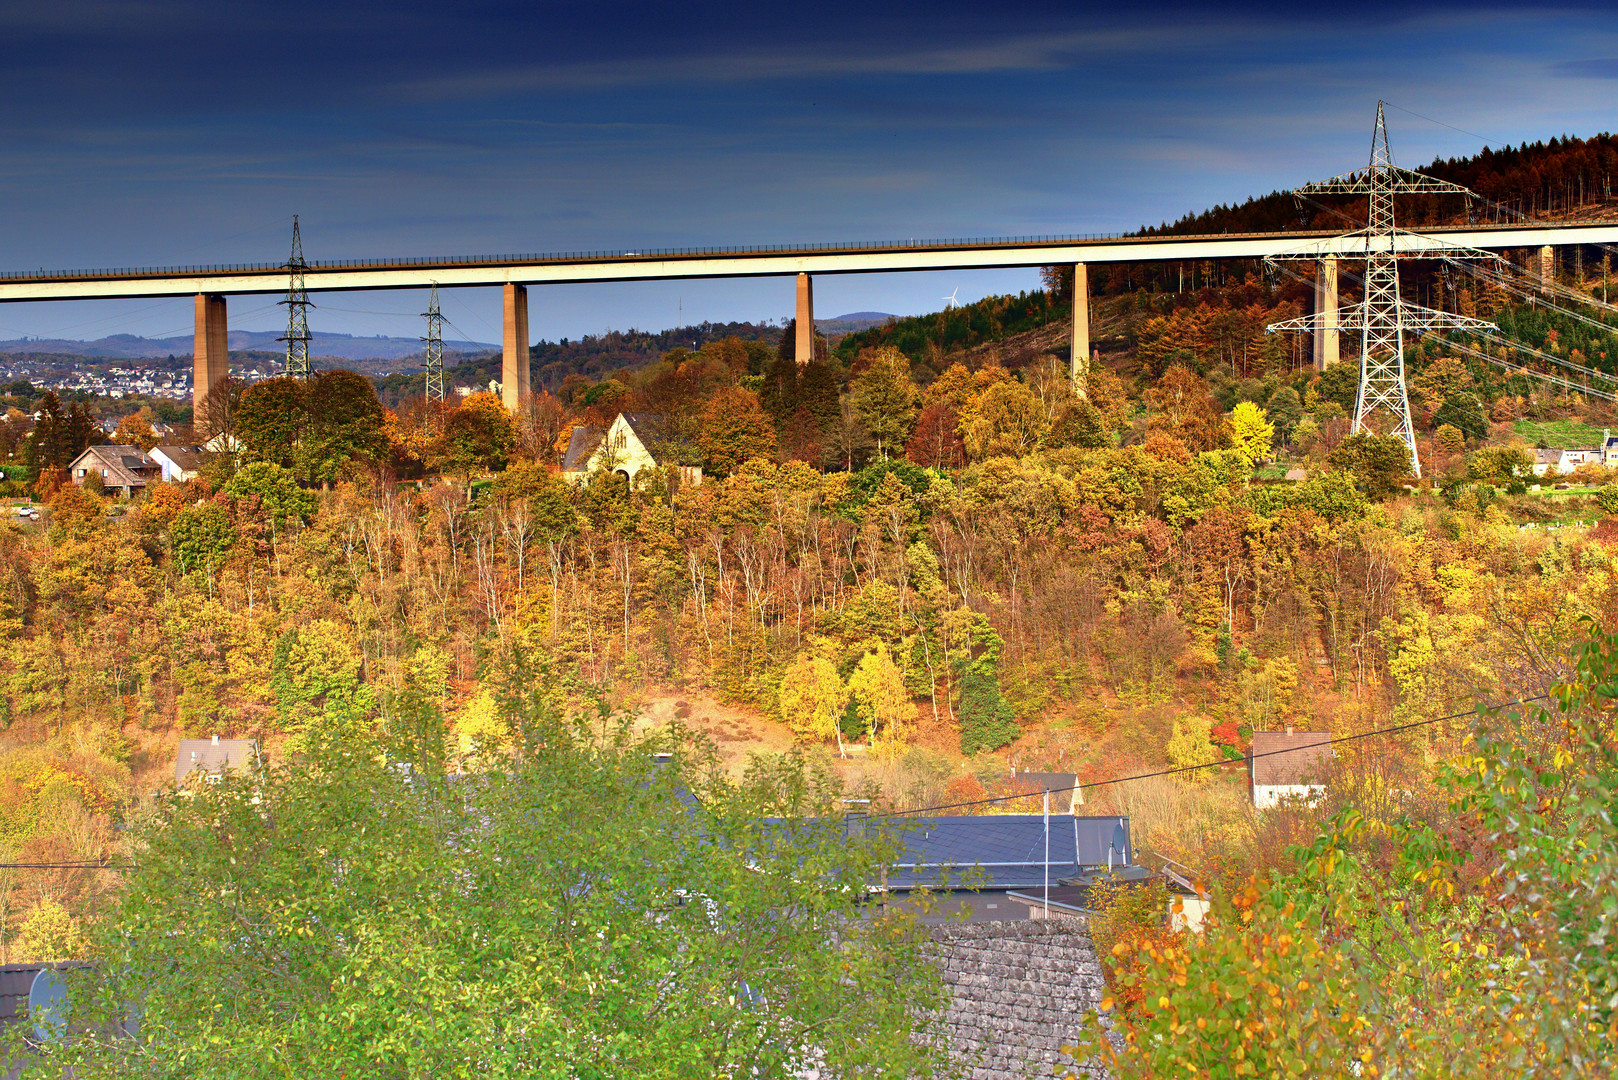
[854, 816]
[216, 740]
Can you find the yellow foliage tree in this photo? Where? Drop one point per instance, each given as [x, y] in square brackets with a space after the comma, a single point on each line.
[879, 694]
[481, 726]
[50, 934]
[1250, 433]
[1191, 743]
[812, 698]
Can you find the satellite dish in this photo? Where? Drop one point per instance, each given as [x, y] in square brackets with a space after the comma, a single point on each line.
[1120, 842]
[48, 1006]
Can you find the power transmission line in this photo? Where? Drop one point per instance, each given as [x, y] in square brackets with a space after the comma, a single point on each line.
[1212, 764]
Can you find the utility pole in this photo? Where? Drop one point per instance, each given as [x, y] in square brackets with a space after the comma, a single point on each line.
[1383, 317]
[297, 304]
[434, 342]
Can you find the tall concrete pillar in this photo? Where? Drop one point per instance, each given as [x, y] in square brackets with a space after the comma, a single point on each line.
[211, 352]
[1327, 337]
[1547, 268]
[1080, 365]
[514, 362]
[804, 343]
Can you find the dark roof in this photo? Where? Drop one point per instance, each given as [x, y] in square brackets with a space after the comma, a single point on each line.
[188, 458]
[653, 432]
[212, 756]
[1293, 756]
[1004, 850]
[580, 445]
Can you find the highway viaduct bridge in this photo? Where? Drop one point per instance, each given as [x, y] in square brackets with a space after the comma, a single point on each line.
[210, 285]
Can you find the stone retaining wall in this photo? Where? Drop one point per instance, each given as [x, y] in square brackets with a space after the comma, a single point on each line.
[1018, 993]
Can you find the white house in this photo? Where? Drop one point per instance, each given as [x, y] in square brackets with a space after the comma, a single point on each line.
[178, 462]
[632, 444]
[1287, 765]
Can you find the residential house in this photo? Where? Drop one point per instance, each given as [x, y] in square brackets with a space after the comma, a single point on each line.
[1562, 462]
[979, 860]
[1287, 765]
[213, 757]
[633, 443]
[1549, 461]
[1609, 449]
[123, 469]
[179, 463]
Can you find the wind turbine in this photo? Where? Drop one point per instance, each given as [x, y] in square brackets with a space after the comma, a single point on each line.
[949, 300]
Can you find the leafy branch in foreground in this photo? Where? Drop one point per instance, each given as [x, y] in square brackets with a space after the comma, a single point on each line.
[1340, 969]
[577, 910]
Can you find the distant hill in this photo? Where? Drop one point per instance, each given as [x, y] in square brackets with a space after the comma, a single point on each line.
[852, 323]
[132, 347]
[596, 356]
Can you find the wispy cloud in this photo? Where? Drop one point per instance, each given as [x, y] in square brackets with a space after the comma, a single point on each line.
[1605, 68]
[1012, 53]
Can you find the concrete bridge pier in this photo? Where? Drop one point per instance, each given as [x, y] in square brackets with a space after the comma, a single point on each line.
[1547, 268]
[1079, 372]
[514, 360]
[804, 342]
[1327, 338]
[210, 353]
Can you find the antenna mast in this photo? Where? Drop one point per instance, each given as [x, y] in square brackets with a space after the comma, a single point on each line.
[297, 304]
[434, 342]
[1383, 318]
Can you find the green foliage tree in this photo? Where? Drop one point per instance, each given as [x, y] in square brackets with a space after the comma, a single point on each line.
[1079, 423]
[987, 720]
[886, 400]
[1607, 498]
[270, 490]
[478, 434]
[578, 911]
[203, 537]
[270, 419]
[1285, 411]
[1380, 463]
[1367, 959]
[1464, 412]
[345, 425]
[1500, 465]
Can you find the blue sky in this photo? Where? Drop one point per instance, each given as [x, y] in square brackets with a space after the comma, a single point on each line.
[141, 132]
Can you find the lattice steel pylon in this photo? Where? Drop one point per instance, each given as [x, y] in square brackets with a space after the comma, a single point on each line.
[434, 342]
[298, 305]
[1384, 317]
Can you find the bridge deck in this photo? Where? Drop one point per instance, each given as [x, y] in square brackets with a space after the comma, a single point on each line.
[760, 261]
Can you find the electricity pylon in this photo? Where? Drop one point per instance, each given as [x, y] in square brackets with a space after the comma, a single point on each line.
[1383, 317]
[434, 342]
[297, 304]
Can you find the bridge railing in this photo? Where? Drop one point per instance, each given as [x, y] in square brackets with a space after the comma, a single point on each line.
[338, 265]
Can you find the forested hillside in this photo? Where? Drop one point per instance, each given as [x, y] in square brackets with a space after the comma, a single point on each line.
[921, 550]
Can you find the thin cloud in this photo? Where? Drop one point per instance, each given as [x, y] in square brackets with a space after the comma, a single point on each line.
[1032, 52]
